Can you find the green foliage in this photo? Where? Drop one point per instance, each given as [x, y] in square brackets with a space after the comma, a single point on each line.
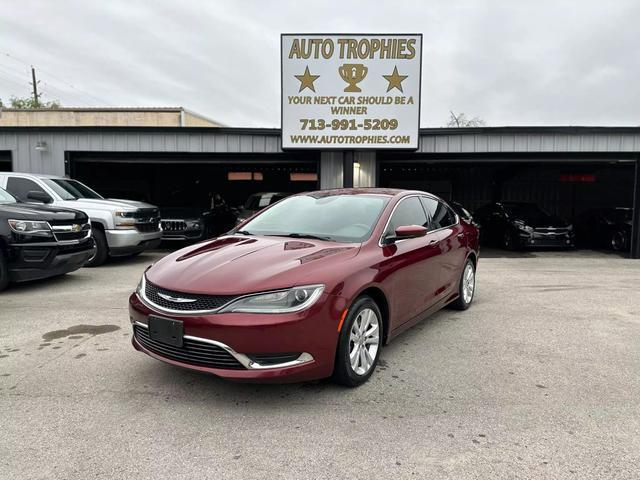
[30, 103]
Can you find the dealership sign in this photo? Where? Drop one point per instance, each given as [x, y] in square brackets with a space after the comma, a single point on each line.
[351, 91]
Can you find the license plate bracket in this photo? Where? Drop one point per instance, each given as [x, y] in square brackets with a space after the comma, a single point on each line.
[167, 331]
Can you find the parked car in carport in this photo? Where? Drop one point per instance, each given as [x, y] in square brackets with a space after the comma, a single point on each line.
[38, 241]
[605, 228]
[120, 227]
[514, 225]
[257, 202]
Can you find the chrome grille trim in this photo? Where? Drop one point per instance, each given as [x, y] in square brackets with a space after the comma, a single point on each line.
[243, 359]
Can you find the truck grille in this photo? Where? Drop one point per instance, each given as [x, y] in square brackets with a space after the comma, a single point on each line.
[174, 225]
[202, 302]
[68, 232]
[148, 227]
[193, 352]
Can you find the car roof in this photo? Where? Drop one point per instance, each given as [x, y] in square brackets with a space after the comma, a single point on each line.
[34, 175]
[391, 192]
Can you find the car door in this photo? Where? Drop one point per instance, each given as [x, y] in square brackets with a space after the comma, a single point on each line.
[450, 240]
[410, 266]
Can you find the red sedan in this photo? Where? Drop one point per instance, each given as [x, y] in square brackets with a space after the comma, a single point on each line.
[308, 288]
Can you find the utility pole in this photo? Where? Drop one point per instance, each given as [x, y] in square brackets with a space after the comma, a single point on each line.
[36, 100]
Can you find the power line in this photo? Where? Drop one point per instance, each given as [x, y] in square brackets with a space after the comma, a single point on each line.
[16, 77]
[94, 97]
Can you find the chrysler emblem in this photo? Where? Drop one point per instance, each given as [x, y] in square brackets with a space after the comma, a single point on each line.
[176, 299]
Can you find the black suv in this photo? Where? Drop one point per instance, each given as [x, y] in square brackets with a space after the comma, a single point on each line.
[40, 241]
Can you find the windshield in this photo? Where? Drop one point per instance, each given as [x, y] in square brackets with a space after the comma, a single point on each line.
[341, 218]
[6, 197]
[70, 189]
[525, 211]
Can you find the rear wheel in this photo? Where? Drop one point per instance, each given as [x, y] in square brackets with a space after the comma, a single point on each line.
[466, 287]
[102, 249]
[359, 344]
[4, 271]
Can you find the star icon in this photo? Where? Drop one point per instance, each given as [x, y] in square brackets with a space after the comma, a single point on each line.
[306, 80]
[395, 80]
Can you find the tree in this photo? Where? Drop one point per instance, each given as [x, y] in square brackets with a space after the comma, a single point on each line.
[30, 103]
[460, 120]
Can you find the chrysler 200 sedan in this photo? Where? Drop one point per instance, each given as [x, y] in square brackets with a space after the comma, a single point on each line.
[311, 287]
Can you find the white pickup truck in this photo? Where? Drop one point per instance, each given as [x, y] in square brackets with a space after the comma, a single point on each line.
[120, 227]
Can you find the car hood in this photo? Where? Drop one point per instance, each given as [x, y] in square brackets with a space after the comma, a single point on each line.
[24, 211]
[541, 222]
[232, 265]
[108, 204]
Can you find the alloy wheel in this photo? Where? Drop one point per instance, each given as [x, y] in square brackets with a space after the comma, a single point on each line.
[468, 283]
[364, 341]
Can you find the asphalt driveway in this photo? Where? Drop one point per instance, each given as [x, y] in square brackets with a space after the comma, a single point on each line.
[539, 379]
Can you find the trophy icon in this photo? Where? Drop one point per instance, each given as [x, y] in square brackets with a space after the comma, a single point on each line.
[353, 73]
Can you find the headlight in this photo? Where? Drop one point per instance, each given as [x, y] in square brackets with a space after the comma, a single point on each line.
[192, 223]
[282, 301]
[124, 220]
[525, 228]
[31, 227]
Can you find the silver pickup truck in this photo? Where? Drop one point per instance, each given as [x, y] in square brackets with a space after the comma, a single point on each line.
[120, 227]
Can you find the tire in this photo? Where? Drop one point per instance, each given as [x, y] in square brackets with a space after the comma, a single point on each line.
[618, 241]
[4, 271]
[466, 290]
[363, 314]
[102, 249]
[507, 241]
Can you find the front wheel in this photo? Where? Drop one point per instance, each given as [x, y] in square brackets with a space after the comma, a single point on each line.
[618, 241]
[466, 287]
[102, 249]
[359, 343]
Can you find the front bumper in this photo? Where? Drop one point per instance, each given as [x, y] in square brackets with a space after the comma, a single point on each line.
[537, 240]
[37, 261]
[127, 242]
[312, 333]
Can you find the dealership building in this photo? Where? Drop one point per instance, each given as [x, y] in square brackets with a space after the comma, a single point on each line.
[171, 155]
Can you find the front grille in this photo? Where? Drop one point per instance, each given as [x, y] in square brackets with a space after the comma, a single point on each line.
[174, 225]
[551, 231]
[148, 227]
[202, 302]
[193, 352]
[70, 231]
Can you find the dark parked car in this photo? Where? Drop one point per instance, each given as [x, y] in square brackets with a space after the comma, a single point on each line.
[38, 241]
[257, 202]
[513, 225]
[196, 223]
[605, 228]
[312, 286]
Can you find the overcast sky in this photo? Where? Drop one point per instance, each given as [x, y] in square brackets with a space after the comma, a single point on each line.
[509, 62]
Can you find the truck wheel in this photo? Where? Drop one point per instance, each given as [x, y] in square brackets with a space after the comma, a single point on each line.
[102, 249]
[4, 271]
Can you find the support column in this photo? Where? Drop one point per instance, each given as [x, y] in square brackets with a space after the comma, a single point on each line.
[635, 224]
[347, 169]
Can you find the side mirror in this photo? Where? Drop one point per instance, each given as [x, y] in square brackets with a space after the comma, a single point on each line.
[404, 232]
[39, 196]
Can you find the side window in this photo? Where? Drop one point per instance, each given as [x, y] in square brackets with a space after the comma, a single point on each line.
[408, 212]
[19, 187]
[441, 215]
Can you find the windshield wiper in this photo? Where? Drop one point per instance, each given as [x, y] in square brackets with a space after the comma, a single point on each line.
[301, 235]
[243, 232]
